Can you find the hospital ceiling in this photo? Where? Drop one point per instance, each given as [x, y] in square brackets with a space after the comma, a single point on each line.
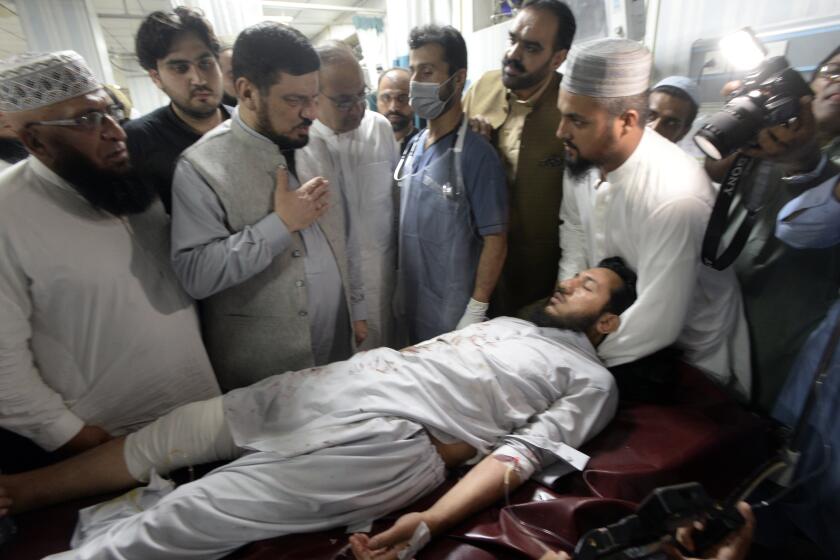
[120, 18]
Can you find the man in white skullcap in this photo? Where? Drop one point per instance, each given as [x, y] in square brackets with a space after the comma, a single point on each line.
[96, 337]
[672, 107]
[629, 192]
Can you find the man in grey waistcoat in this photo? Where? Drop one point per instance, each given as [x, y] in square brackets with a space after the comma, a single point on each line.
[265, 255]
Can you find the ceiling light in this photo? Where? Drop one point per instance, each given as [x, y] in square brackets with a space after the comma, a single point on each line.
[743, 50]
[280, 19]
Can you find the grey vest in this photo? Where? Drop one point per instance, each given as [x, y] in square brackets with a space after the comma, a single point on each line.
[260, 327]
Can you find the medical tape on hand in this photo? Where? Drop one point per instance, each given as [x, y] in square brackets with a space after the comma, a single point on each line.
[419, 539]
[523, 462]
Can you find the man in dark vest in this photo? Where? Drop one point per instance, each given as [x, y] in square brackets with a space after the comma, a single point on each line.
[516, 108]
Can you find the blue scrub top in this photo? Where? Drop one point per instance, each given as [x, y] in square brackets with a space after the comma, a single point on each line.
[484, 178]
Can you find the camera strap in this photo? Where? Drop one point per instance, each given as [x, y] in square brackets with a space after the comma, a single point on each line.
[720, 217]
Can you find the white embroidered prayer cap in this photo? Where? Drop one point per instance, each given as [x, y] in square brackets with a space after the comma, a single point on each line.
[32, 80]
[608, 67]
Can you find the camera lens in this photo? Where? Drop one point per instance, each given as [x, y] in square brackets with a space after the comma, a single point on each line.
[731, 128]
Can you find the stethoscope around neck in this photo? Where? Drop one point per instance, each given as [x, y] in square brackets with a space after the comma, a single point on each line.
[460, 134]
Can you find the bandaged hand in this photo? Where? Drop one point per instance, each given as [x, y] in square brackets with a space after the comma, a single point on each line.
[476, 312]
[401, 542]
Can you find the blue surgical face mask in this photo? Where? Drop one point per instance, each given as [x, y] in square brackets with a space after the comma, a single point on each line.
[424, 98]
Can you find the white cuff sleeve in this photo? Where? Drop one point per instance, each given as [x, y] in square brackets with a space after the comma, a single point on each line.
[59, 432]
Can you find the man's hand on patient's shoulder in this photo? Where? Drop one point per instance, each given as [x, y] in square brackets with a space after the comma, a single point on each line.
[388, 544]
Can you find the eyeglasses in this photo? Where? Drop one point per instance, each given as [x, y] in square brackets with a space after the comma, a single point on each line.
[347, 102]
[388, 98]
[89, 121]
[830, 72]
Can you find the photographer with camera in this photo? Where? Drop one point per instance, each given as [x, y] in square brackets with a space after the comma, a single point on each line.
[811, 396]
[786, 290]
[794, 249]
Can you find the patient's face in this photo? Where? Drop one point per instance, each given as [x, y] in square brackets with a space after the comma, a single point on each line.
[578, 302]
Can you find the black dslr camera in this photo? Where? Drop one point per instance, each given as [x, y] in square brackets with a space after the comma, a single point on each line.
[640, 535]
[769, 96]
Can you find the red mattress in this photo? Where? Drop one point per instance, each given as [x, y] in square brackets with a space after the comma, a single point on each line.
[702, 436]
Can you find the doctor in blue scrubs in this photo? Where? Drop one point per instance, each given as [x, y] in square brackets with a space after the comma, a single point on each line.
[453, 198]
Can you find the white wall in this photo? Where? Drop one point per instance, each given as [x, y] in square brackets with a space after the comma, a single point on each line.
[681, 22]
[485, 49]
[145, 96]
[403, 15]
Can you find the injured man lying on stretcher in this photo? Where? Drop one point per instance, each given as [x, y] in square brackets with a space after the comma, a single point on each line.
[347, 443]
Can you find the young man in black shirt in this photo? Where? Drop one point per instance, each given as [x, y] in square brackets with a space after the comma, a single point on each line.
[181, 54]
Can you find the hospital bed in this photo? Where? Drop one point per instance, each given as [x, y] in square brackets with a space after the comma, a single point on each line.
[701, 435]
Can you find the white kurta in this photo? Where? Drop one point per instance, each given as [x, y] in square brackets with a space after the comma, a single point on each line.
[94, 328]
[360, 165]
[343, 444]
[476, 385]
[652, 211]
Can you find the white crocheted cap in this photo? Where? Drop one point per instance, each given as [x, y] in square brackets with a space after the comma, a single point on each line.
[33, 80]
[607, 68]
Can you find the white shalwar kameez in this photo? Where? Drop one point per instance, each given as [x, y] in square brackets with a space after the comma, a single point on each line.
[652, 211]
[346, 443]
[360, 166]
[94, 328]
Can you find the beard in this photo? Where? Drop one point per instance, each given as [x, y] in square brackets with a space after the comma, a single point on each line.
[401, 124]
[119, 192]
[578, 167]
[569, 321]
[196, 113]
[526, 79]
[283, 142]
